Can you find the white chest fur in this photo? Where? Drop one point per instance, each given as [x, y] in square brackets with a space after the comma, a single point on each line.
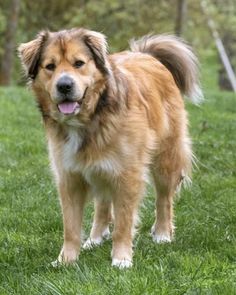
[70, 150]
[73, 162]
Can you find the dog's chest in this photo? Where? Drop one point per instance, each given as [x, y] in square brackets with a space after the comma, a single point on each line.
[89, 166]
[70, 150]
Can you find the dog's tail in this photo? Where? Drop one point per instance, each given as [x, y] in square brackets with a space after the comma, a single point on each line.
[179, 59]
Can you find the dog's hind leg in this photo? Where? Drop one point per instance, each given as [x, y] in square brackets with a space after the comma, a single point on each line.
[100, 228]
[162, 230]
[169, 169]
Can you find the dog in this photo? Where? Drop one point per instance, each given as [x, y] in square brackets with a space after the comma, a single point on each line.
[111, 120]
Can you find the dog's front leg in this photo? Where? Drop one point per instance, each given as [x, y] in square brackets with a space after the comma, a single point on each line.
[72, 192]
[125, 204]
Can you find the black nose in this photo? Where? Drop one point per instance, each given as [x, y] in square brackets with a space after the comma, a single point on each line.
[65, 84]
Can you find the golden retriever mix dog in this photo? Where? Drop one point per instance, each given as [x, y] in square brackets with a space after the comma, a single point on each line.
[111, 120]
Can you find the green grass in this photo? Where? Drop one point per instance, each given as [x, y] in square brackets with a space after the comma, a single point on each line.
[202, 258]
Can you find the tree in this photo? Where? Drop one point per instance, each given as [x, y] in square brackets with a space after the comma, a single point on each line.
[180, 17]
[9, 43]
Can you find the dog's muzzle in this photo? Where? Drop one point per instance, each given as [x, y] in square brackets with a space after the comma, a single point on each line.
[68, 98]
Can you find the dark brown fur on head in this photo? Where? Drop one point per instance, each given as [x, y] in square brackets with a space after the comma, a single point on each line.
[30, 53]
[91, 45]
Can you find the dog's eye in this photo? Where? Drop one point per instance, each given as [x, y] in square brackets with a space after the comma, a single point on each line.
[79, 64]
[50, 67]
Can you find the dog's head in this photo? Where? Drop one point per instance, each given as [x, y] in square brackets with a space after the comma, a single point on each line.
[67, 70]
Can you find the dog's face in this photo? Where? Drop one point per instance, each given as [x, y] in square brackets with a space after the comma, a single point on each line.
[67, 70]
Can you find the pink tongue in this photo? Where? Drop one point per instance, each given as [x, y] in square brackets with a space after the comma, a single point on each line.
[67, 107]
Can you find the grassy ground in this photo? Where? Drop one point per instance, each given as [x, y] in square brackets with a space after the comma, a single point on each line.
[202, 258]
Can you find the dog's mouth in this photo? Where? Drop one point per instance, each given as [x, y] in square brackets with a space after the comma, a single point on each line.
[68, 107]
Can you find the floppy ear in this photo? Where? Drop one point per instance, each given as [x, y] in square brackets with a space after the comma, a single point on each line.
[30, 54]
[97, 44]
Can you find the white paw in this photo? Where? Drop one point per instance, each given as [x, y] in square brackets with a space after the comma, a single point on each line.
[123, 263]
[66, 256]
[93, 242]
[106, 234]
[161, 238]
[55, 263]
[90, 243]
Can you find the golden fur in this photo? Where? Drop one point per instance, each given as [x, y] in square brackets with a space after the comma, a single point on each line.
[129, 122]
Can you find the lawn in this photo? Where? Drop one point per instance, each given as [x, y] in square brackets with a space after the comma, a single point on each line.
[202, 258]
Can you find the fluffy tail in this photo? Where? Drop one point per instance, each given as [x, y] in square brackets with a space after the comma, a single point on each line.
[179, 59]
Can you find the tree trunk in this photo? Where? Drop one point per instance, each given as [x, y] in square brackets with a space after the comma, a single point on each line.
[220, 46]
[229, 40]
[180, 17]
[9, 43]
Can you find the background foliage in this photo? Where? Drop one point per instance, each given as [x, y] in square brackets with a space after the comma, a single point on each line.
[120, 21]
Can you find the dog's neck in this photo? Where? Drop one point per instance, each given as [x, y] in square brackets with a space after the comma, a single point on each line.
[103, 102]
